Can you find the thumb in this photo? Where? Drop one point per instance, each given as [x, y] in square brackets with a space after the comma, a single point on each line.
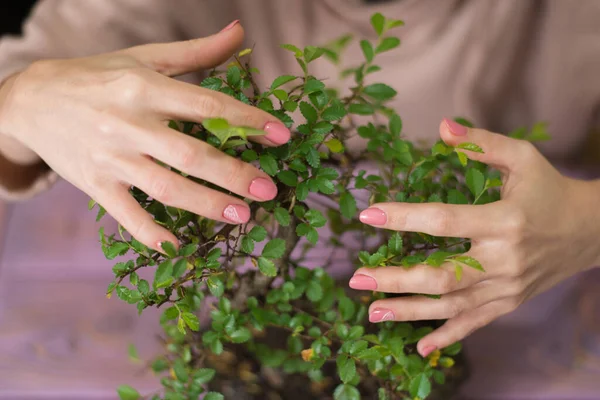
[499, 151]
[179, 58]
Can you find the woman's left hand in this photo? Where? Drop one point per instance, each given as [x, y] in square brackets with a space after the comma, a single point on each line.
[544, 229]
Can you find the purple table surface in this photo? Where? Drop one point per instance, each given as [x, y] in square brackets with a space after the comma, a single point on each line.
[60, 338]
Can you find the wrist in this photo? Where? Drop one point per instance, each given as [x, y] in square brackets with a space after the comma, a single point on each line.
[11, 148]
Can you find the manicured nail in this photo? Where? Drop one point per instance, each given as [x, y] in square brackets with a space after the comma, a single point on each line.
[231, 25]
[263, 188]
[362, 282]
[277, 132]
[381, 315]
[236, 213]
[428, 350]
[455, 128]
[373, 216]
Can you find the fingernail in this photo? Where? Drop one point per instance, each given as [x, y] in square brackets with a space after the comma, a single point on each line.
[428, 350]
[277, 132]
[381, 315]
[263, 188]
[362, 282]
[455, 128]
[231, 25]
[373, 216]
[236, 213]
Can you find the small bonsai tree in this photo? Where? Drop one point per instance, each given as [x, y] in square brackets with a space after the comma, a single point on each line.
[277, 320]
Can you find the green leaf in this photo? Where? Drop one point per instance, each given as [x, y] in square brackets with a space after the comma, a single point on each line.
[348, 205]
[247, 245]
[191, 321]
[346, 392]
[492, 183]
[312, 158]
[311, 53]
[420, 386]
[470, 261]
[456, 197]
[367, 50]
[133, 353]
[313, 85]
[346, 368]
[539, 133]
[169, 248]
[475, 181]
[458, 272]
[395, 243]
[314, 291]
[334, 113]
[470, 146]
[204, 375]
[274, 249]
[395, 125]
[268, 164]
[334, 145]
[462, 157]
[315, 218]
[171, 313]
[233, 76]
[322, 127]
[267, 266]
[258, 233]
[282, 80]
[387, 44]
[282, 216]
[369, 354]
[117, 249]
[464, 122]
[347, 308]
[188, 250]
[215, 286]
[213, 396]
[126, 392]
[288, 177]
[240, 335]
[437, 258]
[360, 109]
[280, 94]
[164, 273]
[378, 23]
[297, 52]
[212, 83]
[179, 268]
[249, 156]
[308, 112]
[380, 91]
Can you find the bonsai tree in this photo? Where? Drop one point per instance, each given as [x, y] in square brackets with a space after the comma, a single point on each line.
[276, 328]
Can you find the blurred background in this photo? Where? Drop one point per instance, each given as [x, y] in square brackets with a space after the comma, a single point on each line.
[60, 338]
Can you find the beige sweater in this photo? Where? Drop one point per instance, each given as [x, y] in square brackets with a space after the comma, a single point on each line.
[501, 63]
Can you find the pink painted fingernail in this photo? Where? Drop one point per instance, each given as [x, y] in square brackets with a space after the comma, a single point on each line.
[277, 132]
[428, 350]
[362, 282]
[455, 128]
[373, 216]
[381, 315]
[263, 188]
[236, 213]
[231, 25]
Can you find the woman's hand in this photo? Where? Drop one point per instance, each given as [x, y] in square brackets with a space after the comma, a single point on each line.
[100, 121]
[544, 229]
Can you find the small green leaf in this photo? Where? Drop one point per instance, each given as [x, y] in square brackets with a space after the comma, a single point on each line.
[179, 268]
[346, 392]
[133, 353]
[233, 76]
[117, 249]
[215, 286]
[247, 245]
[312, 158]
[213, 396]
[311, 53]
[282, 80]
[380, 91]
[367, 50]
[470, 261]
[164, 273]
[282, 216]
[313, 85]
[240, 335]
[308, 112]
[268, 164]
[360, 109]
[204, 375]
[395, 243]
[212, 83]
[288, 177]
[274, 248]
[334, 145]
[169, 248]
[314, 291]
[334, 113]
[395, 125]
[420, 386]
[297, 52]
[378, 23]
[456, 197]
[126, 392]
[191, 321]
[437, 258]
[470, 146]
[492, 183]
[348, 205]
[475, 181]
[188, 250]
[267, 266]
[346, 368]
[462, 157]
[258, 233]
[387, 44]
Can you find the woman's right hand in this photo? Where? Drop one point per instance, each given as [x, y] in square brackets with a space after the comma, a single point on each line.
[100, 121]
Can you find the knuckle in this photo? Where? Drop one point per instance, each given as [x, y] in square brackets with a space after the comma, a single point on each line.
[455, 307]
[516, 224]
[159, 189]
[235, 171]
[526, 149]
[188, 157]
[440, 221]
[133, 85]
[210, 105]
[446, 282]
[514, 269]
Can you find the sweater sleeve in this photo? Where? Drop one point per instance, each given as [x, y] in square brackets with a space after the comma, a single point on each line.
[70, 29]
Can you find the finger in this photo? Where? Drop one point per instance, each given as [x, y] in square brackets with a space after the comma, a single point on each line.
[178, 58]
[501, 152]
[182, 101]
[463, 325]
[118, 202]
[421, 308]
[177, 191]
[204, 161]
[437, 219]
[420, 279]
